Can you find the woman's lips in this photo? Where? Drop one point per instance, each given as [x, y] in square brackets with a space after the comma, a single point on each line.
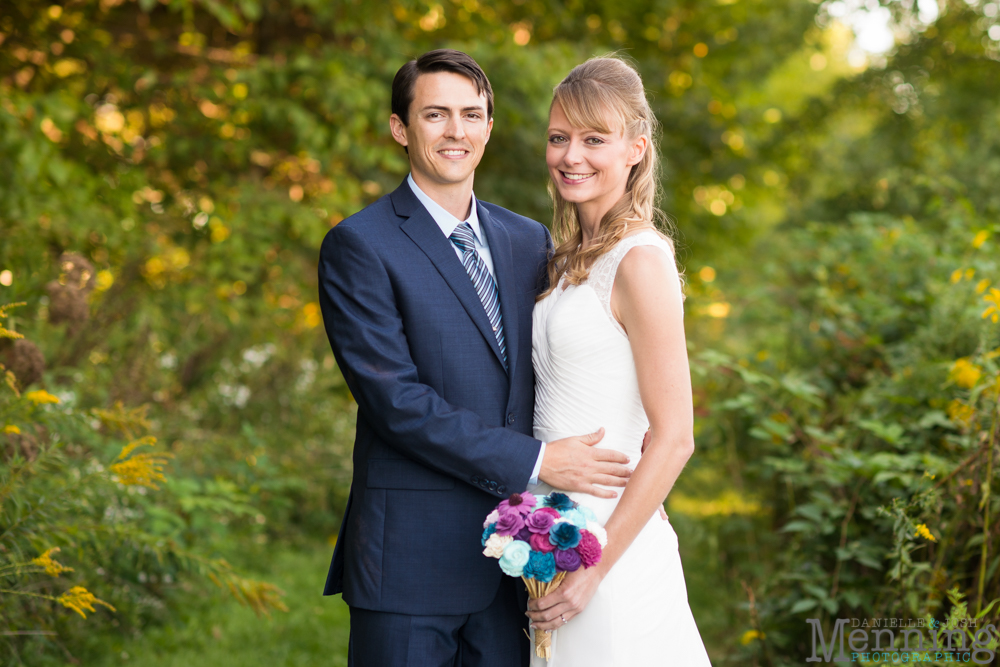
[574, 179]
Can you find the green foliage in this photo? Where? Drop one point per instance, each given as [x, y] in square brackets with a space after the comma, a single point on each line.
[168, 170]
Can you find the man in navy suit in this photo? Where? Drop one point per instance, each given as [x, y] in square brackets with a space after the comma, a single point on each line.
[427, 297]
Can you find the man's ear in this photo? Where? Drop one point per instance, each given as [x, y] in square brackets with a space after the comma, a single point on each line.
[398, 129]
[639, 149]
[489, 129]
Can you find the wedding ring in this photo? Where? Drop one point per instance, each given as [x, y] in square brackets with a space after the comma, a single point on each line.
[563, 619]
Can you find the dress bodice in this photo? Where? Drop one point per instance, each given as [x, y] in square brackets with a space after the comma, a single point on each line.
[585, 375]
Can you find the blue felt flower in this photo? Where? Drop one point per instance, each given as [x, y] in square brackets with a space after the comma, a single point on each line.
[564, 535]
[558, 501]
[576, 517]
[489, 530]
[588, 513]
[541, 566]
[515, 557]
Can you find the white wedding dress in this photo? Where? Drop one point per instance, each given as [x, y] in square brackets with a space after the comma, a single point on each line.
[586, 378]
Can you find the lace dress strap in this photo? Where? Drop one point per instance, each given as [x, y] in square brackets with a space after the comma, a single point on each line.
[605, 268]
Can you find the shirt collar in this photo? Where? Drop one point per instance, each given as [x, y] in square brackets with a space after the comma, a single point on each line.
[445, 220]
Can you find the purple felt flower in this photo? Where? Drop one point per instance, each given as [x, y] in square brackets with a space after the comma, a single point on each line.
[524, 534]
[548, 510]
[567, 560]
[510, 523]
[539, 522]
[520, 503]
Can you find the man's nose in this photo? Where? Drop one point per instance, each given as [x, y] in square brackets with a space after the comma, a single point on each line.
[455, 129]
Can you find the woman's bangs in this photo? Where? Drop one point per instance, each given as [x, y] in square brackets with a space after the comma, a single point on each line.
[587, 105]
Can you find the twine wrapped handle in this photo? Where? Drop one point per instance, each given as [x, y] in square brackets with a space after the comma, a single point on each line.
[539, 589]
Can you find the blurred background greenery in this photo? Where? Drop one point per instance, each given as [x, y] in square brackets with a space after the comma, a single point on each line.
[174, 422]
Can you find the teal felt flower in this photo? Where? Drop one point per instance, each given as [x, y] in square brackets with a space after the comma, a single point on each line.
[576, 517]
[515, 557]
[540, 566]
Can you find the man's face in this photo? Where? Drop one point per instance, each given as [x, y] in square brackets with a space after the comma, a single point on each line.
[448, 129]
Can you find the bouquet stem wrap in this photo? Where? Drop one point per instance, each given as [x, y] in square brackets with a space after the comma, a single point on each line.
[538, 589]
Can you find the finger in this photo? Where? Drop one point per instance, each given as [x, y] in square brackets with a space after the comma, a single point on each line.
[663, 514]
[609, 480]
[555, 623]
[598, 492]
[546, 602]
[610, 455]
[615, 470]
[646, 440]
[551, 615]
[592, 439]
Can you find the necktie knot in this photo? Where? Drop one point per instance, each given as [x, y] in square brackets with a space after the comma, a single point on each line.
[463, 237]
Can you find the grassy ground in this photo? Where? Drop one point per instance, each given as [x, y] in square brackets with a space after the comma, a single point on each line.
[222, 633]
[218, 632]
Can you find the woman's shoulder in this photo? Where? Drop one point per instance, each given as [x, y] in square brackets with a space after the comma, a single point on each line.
[646, 261]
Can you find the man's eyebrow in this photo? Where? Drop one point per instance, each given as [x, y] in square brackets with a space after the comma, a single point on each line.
[435, 107]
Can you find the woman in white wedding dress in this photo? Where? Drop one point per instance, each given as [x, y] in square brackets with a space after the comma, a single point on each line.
[609, 351]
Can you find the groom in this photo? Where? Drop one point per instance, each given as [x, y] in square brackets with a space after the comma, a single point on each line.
[427, 297]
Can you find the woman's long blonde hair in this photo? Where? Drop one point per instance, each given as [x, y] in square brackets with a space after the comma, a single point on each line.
[605, 94]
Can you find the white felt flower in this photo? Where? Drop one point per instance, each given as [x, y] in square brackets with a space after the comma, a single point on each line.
[495, 545]
[492, 518]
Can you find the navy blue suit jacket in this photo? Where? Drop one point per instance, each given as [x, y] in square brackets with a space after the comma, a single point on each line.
[443, 432]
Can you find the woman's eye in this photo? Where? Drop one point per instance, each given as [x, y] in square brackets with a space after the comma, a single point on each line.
[594, 141]
[556, 139]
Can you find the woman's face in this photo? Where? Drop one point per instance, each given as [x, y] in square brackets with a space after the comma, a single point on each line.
[589, 167]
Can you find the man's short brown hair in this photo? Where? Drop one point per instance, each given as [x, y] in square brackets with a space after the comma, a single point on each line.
[439, 60]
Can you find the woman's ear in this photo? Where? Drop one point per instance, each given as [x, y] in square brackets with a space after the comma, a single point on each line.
[639, 147]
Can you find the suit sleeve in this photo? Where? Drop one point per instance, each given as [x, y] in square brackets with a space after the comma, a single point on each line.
[366, 333]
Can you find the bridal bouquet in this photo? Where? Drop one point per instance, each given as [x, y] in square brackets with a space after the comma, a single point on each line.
[540, 540]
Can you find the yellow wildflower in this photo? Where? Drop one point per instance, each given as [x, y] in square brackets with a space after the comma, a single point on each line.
[924, 533]
[52, 567]
[79, 599]
[960, 413]
[964, 373]
[41, 396]
[993, 298]
[982, 285]
[751, 635]
[10, 428]
[980, 238]
[143, 469]
[956, 275]
[6, 333]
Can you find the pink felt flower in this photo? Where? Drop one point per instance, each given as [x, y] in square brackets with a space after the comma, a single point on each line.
[589, 549]
[541, 543]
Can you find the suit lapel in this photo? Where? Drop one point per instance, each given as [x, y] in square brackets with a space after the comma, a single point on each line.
[423, 231]
[503, 269]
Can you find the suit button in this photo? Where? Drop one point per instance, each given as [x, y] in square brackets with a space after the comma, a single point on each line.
[510, 418]
[475, 479]
[493, 486]
[501, 489]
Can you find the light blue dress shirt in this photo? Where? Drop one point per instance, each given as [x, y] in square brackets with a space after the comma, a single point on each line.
[447, 222]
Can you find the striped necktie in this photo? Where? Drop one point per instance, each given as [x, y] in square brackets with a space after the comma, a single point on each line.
[482, 281]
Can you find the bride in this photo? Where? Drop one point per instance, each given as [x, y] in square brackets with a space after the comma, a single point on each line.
[608, 350]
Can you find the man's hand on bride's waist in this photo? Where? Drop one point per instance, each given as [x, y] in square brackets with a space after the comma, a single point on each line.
[575, 464]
